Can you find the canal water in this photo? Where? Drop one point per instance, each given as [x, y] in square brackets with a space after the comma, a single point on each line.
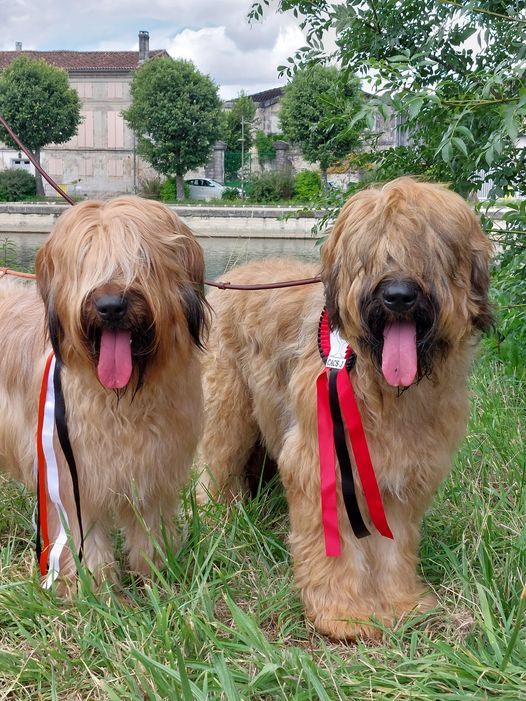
[221, 254]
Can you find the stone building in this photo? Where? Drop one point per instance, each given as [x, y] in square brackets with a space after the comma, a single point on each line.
[100, 160]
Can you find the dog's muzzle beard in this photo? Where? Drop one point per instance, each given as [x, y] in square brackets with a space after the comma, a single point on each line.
[120, 339]
[399, 318]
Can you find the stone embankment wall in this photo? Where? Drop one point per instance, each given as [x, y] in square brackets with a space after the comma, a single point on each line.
[32, 221]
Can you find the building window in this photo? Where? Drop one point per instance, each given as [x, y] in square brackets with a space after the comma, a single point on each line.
[115, 168]
[115, 130]
[55, 166]
[85, 167]
[114, 90]
[84, 137]
[20, 164]
[83, 89]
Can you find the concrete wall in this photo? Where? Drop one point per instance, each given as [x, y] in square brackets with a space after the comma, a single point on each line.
[26, 220]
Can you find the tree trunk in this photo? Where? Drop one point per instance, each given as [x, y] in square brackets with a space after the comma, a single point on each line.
[179, 183]
[323, 173]
[38, 177]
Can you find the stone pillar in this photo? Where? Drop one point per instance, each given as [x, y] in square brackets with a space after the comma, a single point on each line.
[215, 168]
[282, 162]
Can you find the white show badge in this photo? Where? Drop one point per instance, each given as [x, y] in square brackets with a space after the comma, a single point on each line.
[338, 353]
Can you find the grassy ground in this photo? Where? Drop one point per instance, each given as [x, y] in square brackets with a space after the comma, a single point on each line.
[222, 621]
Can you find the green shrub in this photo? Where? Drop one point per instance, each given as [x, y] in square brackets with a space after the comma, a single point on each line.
[168, 191]
[231, 194]
[507, 340]
[271, 187]
[16, 184]
[8, 253]
[150, 188]
[307, 185]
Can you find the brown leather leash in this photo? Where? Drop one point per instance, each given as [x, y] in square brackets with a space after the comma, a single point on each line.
[220, 285]
[6, 271]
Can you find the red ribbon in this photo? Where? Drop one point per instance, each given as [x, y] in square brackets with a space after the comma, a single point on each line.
[353, 423]
[41, 468]
[329, 502]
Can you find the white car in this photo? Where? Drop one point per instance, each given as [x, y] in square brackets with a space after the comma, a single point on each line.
[205, 189]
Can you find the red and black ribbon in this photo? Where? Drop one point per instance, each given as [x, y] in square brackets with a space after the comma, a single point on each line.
[60, 418]
[65, 443]
[337, 412]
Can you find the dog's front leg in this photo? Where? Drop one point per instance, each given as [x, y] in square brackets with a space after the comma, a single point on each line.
[394, 563]
[148, 529]
[338, 592]
[63, 532]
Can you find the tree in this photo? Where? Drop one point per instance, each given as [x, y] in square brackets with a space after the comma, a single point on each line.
[38, 104]
[311, 111]
[176, 114]
[243, 111]
[239, 124]
[454, 72]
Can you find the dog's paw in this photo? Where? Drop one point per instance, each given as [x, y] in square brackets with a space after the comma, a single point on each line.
[340, 624]
[397, 609]
[66, 587]
[202, 494]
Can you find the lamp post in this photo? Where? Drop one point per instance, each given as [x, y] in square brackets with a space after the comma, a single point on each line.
[242, 139]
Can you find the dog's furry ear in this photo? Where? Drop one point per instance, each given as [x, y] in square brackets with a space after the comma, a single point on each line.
[483, 317]
[330, 271]
[481, 312]
[196, 308]
[44, 269]
[329, 278]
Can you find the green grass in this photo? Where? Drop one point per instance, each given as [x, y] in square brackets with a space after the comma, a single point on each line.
[222, 620]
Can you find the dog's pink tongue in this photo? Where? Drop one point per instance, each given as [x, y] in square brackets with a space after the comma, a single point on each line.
[115, 362]
[399, 362]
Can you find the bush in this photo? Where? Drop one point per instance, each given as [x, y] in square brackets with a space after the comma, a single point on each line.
[17, 184]
[307, 185]
[271, 187]
[231, 194]
[168, 191]
[150, 188]
[508, 339]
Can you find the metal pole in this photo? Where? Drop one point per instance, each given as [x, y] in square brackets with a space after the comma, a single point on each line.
[242, 157]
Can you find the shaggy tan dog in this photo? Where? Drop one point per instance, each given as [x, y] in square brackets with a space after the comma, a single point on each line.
[405, 272]
[122, 290]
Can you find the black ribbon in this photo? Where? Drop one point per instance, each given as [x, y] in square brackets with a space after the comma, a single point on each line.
[348, 488]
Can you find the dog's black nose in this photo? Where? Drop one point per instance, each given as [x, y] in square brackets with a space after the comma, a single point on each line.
[400, 295]
[111, 308]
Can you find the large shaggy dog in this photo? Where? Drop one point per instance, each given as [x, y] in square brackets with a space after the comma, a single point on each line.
[405, 273]
[121, 301]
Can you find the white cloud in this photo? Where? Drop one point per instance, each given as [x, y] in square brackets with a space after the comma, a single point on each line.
[215, 53]
[214, 34]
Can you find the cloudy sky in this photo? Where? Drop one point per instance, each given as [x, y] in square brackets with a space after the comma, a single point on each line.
[214, 34]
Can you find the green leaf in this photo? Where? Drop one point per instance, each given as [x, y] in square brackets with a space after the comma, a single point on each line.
[415, 106]
[447, 152]
[461, 146]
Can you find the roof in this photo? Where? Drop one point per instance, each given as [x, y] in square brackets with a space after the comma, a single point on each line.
[266, 95]
[91, 61]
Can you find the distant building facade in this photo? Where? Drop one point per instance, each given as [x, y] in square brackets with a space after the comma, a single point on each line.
[101, 159]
